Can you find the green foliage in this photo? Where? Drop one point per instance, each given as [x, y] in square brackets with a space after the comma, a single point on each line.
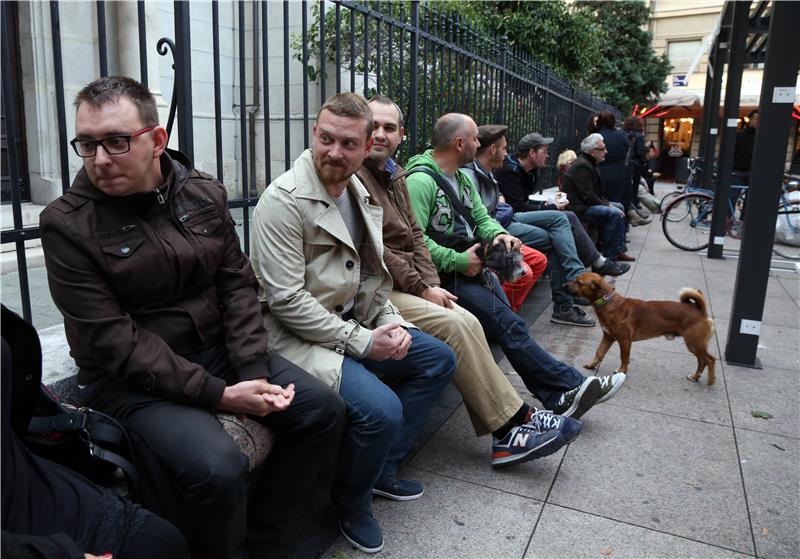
[629, 71]
[548, 31]
[599, 45]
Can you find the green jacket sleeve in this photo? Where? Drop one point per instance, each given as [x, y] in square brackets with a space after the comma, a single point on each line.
[422, 189]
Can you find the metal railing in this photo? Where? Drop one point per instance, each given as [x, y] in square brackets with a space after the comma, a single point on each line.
[429, 61]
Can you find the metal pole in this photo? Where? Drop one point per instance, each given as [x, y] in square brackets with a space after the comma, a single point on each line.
[731, 114]
[769, 156]
[411, 120]
[58, 71]
[501, 107]
[101, 37]
[217, 81]
[142, 23]
[711, 109]
[183, 78]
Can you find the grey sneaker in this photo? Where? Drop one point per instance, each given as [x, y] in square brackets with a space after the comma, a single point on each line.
[576, 402]
[573, 316]
[610, 385]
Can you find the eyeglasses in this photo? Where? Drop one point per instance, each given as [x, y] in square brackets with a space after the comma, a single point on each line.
[114, 145]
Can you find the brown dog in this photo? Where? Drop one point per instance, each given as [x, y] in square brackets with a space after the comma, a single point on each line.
[629, 320]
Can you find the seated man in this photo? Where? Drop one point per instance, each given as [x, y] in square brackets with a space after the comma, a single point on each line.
[584, 188]
[162, 318]
[318, 254]
[558, 386]
[489, 156]
[493, 404]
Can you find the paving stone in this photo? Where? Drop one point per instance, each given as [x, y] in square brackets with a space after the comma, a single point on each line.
[769, 468]
[772, 390]
[456, 452]
[555, 538]
[778, 345]
[452, 519]
[660, 472]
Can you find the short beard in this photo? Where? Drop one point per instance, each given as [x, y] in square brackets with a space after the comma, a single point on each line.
[379, 159]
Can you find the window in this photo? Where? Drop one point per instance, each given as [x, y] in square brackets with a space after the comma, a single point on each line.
[681, 54]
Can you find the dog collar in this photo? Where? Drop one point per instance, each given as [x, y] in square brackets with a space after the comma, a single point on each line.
[600, 302]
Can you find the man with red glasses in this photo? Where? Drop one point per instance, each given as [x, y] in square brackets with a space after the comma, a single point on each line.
[162, 318]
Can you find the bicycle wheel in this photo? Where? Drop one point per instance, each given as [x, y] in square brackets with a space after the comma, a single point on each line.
[668, 198]
[687, 221]
[786, 243]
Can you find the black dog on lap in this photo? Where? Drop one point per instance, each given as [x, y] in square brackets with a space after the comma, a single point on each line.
[507, 265]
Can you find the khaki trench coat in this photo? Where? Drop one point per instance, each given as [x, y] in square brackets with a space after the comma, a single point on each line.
[308, 270]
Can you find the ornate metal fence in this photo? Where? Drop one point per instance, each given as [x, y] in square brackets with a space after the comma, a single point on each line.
[429, 61]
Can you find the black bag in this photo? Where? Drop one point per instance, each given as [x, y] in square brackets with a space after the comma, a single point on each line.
[85, 440]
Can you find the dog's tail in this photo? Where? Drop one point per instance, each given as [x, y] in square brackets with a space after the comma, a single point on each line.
[694, 297]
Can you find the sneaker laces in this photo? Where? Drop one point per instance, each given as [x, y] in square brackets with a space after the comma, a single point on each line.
[545, 420]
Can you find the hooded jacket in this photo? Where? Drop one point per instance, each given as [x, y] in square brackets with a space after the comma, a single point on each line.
[432, 209]
[146, 279]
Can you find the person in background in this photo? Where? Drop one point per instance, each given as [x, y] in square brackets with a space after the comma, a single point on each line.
[613, 172]
[743, 151]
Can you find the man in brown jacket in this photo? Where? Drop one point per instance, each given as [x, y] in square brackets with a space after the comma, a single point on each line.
[162, 318]
[520, 431]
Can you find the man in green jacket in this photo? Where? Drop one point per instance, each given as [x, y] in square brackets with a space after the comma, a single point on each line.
[560, 387]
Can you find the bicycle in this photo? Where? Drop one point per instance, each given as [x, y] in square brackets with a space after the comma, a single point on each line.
[686, 220]
[695, 172]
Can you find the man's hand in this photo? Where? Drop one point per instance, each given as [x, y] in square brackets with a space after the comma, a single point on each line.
[474, 262]
[255, 397]
[390, 341]
[512, 243]
[439, 296]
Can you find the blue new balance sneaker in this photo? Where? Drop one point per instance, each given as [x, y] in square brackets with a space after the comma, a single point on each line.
[545, 420]
[523, 443]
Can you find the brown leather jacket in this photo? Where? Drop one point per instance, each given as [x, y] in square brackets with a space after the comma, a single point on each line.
[405, 253]
[143, 280]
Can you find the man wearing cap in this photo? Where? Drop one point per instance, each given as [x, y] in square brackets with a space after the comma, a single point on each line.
[550, 230]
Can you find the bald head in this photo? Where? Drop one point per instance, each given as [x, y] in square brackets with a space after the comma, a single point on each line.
[449, 127]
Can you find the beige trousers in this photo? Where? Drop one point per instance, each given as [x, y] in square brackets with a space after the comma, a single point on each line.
[491, 400]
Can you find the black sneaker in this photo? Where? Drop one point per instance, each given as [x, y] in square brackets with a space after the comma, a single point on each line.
[582, 301]
[362, 531]
[610, 385]
[612, 268]
[573, 316]
[398, 489]
[523, 443]
[576, 402]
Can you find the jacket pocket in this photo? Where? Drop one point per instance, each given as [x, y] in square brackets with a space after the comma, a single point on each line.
[204, 222]
[120, 246]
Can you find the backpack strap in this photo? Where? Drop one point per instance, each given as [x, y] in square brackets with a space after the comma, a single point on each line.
[445, 187]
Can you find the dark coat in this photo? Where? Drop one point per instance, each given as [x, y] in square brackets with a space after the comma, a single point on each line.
[583, 185]
[142, 282]
[517, 184]
[616, 176]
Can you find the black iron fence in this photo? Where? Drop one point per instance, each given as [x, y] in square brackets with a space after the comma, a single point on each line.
[429, 61]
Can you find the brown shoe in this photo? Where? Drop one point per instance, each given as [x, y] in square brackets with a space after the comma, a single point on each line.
[625, 257]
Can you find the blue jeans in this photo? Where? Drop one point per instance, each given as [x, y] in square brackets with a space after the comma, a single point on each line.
[546, 377]
[383, 422]
[611, 222]
[545, 229]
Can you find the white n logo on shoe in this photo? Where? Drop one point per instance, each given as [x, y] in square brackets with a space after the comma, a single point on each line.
[521, 439]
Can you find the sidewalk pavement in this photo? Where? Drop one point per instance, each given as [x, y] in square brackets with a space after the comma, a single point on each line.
[668, 468]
